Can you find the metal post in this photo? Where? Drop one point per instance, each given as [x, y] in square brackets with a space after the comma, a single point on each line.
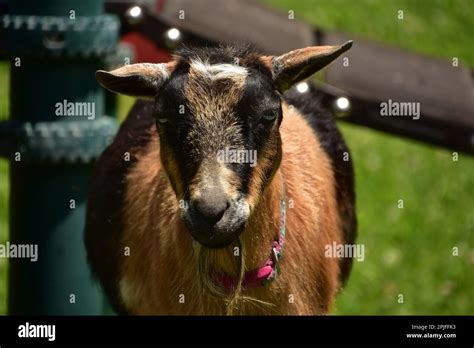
[55, 47]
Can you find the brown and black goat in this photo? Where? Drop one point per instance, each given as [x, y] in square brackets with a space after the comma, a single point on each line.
[221, 191]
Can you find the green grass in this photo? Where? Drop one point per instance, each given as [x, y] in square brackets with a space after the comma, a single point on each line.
[408, 251]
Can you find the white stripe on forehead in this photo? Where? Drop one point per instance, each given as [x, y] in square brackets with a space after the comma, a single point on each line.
[219, 71]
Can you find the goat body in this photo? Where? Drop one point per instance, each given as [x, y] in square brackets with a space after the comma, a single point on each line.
[141, 249]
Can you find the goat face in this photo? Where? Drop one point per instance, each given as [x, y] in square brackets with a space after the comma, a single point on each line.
[219, 141]
[218, 124]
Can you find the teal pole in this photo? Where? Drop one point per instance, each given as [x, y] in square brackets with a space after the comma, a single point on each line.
[55, 132]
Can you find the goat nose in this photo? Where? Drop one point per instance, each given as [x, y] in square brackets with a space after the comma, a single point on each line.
[211, 209]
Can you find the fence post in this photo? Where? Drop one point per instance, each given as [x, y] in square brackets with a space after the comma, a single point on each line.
[55, 131]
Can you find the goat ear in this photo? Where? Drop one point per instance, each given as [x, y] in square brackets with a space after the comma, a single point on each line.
[297, 65]
[136, 80]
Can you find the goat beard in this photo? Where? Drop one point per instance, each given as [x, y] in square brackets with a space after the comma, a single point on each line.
[208, 263]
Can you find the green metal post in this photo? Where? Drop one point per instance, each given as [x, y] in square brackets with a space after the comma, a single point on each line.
[55, 47]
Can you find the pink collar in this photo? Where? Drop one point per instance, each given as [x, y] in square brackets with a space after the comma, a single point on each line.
[269, 271]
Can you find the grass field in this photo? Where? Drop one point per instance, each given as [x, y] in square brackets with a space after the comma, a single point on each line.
[409, 251]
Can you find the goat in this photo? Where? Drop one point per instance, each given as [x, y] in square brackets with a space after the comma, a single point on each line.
[177, 226]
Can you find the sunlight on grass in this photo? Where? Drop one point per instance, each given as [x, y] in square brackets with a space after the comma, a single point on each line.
[409, 251]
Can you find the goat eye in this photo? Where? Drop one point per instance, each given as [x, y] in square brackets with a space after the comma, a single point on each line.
[269, 115]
